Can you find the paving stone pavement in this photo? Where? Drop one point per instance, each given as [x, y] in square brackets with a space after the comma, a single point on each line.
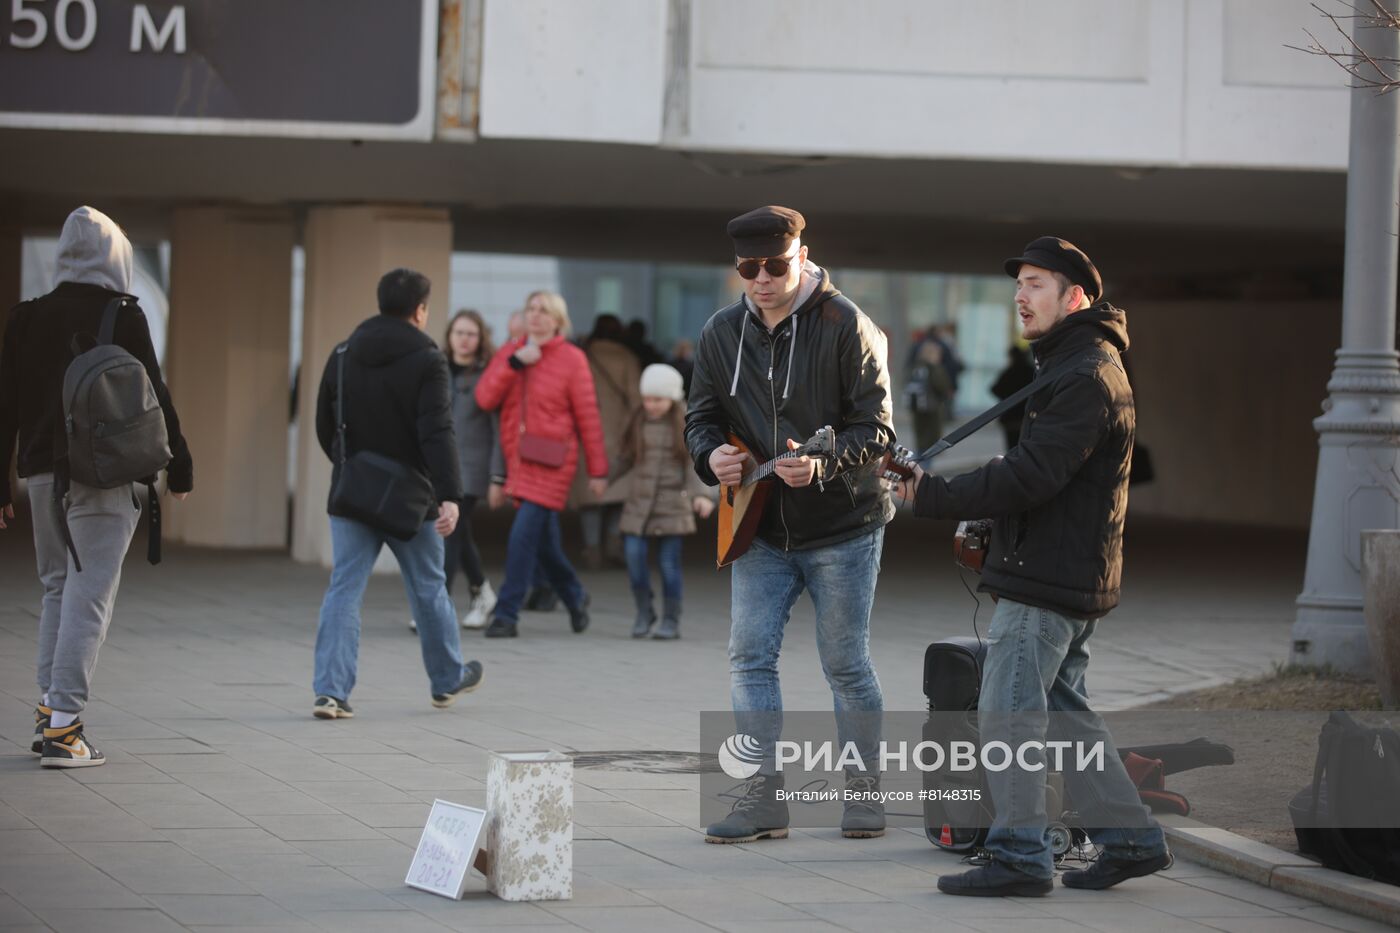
[225, 806]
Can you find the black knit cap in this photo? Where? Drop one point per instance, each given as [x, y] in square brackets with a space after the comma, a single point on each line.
[765, 231]
[1062, 256]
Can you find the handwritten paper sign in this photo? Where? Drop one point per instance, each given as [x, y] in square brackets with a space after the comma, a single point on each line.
[446, 849]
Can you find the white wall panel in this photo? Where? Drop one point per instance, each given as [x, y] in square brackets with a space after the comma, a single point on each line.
[989, 38]
[591, 70]
[1080, 81]
[1252, 103]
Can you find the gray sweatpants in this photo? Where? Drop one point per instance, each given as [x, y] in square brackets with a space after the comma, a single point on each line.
[77, 607]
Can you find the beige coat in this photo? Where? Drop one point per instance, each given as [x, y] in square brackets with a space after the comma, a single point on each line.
[617, 378]
[661, 489]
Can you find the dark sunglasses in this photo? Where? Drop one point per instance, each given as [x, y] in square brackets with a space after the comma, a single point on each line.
[777, 266]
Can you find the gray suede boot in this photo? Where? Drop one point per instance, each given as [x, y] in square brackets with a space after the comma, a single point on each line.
[670, 627]
[864, 816]
[646, 615]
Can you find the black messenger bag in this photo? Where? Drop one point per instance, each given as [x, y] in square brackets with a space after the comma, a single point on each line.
[373, 489]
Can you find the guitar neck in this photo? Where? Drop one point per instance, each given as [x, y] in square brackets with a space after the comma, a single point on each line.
[766, 470]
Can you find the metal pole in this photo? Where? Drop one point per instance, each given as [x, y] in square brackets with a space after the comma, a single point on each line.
[1358, 469]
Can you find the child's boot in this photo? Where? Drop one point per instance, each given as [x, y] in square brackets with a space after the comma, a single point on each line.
[670, 627]
[646, 615]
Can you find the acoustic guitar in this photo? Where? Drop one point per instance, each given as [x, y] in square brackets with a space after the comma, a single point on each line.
[741, 505]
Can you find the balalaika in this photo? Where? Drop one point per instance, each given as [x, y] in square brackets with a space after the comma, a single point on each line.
[741, 505]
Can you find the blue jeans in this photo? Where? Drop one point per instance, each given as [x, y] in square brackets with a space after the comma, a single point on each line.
[535, 545]
[1036, 661]
[668, 557]
[841, 580]
[355, 547]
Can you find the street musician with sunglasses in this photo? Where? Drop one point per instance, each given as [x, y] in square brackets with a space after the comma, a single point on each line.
[789, 357]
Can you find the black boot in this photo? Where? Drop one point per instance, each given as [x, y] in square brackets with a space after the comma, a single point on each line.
[757, 814]
[578, 615]
[541, 598]
[670, 627]
[646, 615]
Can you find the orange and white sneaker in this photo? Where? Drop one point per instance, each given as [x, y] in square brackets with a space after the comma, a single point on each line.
[67, 748]
[41, 722]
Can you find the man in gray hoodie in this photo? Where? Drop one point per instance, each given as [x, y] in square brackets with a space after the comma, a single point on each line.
[94, 267]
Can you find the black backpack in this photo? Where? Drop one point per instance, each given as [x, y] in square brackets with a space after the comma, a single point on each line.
[1350, 816]
[113, 430]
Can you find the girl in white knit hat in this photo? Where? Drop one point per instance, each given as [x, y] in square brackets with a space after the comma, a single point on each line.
[664, 497]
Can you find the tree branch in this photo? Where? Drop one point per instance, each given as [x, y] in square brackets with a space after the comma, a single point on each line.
[1366, 70]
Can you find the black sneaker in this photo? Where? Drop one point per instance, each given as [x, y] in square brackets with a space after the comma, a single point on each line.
[578, 618]
[330, 708]
[757, 814]
[1106, 872]
[42, 717]
[995, 879]
[500, 628]
[68, 748]
[471, 679]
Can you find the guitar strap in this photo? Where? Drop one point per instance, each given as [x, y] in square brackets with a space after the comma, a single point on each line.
[1005, 405]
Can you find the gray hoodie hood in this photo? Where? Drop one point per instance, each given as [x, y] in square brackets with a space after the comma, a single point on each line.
[93, 250]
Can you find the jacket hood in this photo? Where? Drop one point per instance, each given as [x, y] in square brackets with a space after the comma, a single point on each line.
[1101, 322]
[93, 250]
[384, 340]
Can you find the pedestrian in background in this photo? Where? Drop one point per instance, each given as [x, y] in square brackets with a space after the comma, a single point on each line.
[385, 391]
[1019, 373]
[94, 273]
[663, 497]
[615, 373]
[929, 391]
[468, 347]
[543, 388]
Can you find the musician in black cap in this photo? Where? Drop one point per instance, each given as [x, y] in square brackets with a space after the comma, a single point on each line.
[1057, 499]
[789, 357]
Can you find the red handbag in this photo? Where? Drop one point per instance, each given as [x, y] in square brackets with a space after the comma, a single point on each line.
[536, 448]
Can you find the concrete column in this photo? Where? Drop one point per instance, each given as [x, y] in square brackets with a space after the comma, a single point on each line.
[1358, 469]
[228, 362]
[347, 250]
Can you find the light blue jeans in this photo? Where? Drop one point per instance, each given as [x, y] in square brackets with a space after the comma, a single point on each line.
[1036, 660]
[841, 580]
[355, 547]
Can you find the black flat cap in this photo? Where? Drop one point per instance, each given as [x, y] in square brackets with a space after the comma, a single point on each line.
[765, 231]
[1062, 256]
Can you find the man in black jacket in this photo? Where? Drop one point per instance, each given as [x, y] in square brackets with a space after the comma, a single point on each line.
[791, 356]
[397, 404]
[1058, 500]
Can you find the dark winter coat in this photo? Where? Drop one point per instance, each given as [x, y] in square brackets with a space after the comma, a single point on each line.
[397, 402]
[38, 340]
[1058, 497]
[824, 364]
[479, 454]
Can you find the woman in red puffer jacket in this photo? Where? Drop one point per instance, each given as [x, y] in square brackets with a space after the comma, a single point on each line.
[544, 389]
